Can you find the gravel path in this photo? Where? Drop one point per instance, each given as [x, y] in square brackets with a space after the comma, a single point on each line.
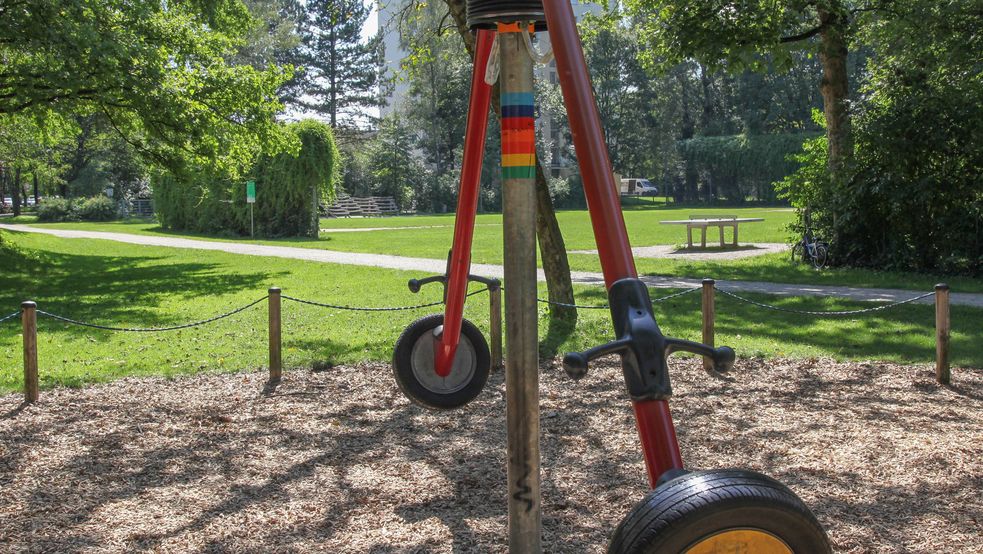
[339, 461]
[701, 254]
[439, 266]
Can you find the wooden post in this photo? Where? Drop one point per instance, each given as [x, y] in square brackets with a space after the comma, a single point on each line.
[708, 317]
[29, 319]
[495, 325]
[275, 360]
[521, 312]
[942, 373]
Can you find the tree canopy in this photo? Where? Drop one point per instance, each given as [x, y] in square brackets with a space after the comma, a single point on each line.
[158, 72]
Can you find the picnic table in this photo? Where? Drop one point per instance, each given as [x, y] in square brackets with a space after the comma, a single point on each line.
[701, 222]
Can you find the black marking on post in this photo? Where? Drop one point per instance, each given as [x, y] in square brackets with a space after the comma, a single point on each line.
[524, 494]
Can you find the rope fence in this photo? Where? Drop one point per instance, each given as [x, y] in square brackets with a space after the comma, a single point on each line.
[29, 312]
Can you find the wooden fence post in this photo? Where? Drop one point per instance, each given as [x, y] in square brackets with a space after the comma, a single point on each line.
[495, 325]
[942, 373]
[29, 320]
[275, 359]
[708, 317]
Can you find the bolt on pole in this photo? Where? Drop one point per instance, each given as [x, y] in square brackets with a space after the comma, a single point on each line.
[521, 332]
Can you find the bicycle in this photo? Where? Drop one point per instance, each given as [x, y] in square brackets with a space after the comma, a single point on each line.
[811, 250]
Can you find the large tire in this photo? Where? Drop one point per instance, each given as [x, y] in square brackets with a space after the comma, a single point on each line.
[414, 370]
[720, 511]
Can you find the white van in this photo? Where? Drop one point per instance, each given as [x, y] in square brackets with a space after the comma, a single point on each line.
[638, 187]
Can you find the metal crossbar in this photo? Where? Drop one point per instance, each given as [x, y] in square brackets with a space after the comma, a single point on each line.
[151, 329]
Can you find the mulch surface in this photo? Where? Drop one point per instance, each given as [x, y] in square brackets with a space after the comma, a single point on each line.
[339, 461]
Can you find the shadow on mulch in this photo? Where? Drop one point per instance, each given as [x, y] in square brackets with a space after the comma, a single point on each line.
[337, 460]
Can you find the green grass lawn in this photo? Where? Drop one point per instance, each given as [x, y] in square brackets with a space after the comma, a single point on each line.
[128, 285]
[407, 238]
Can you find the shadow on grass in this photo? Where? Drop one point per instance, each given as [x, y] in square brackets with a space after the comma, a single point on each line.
[111, 288]
[904, 333]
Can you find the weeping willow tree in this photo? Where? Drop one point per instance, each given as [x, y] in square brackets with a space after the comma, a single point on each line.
[289, 188]
[735, 167]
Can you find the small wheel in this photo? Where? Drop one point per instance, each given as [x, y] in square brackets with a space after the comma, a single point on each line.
[413, 365]
[797, 256]
[720, 511]
[821, 256]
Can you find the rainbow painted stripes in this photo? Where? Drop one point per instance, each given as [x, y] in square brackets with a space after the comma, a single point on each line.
[518, 136]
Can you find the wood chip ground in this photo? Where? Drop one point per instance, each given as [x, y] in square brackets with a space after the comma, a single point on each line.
[339, 461]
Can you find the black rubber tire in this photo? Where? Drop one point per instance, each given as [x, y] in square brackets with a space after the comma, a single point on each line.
[797, 256]
[695, 506]
[417, 391]
[822, 256]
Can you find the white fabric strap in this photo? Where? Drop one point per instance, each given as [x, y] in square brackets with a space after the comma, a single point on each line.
[541, 59]
[494, 63]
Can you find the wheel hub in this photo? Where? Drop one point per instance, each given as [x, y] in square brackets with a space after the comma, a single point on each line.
[740, 541]
[463, 369]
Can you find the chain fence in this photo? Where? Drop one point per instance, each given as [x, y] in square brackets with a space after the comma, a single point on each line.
[274, 296]
[371, 309]
[607, 307]
[9, 316]
[151, 329]
[830, 313]
[91, 325]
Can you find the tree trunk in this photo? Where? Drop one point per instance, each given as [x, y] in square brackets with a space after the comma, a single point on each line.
[834, 88]
[552, 249]
[553, 252]
[15, 192]
[687, 131]
[3, 189]
[36, 198]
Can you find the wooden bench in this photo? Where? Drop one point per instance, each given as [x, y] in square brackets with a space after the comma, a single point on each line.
[344, 206]
[386, 205]
[701, 222]
[347, 206]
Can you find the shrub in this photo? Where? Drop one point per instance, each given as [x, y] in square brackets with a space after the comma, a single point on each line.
[912, 198]
[97, 208]
[288, 186]
[56, 209]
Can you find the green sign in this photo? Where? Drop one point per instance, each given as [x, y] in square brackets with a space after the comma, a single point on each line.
[251, 192]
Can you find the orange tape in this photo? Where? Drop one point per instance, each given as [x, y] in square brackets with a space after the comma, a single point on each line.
[514, 28]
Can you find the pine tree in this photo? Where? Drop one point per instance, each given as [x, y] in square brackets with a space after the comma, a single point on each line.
[341, 72]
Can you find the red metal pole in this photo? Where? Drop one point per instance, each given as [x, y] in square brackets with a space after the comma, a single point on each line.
[467, 206]
[652, 417]
[658, 437]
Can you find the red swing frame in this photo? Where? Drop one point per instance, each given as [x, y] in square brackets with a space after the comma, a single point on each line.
[653, 419]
